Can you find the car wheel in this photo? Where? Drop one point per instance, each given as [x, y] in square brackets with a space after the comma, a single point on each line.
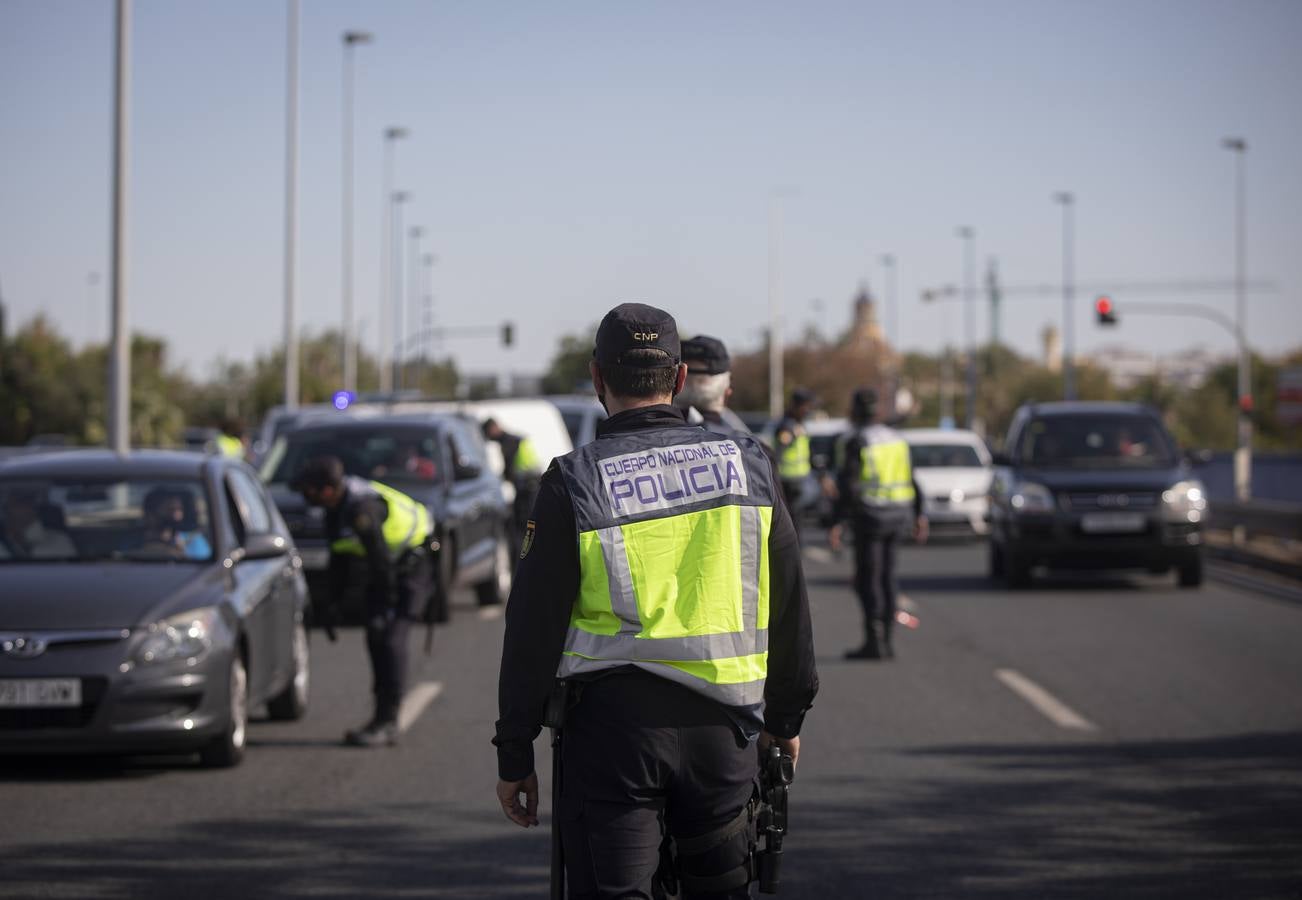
[291, 703]
[227, 749]
[996, 561]
[496, 589]
[1191, 573]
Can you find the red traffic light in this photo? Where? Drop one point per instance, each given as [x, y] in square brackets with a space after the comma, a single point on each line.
[1106, 313]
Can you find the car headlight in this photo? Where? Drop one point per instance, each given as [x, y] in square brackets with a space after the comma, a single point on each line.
[1185, 501]
[1029, 497]
[187, 635]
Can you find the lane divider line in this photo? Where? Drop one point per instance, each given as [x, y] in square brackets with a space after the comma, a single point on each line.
[1048, 705]
[419, 697]
[818, 554]
[489, 613]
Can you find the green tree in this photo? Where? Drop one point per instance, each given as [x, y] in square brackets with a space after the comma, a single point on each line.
[568, 370]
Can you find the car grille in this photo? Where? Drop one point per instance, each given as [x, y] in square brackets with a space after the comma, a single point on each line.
[92, 692]
[1112, 501]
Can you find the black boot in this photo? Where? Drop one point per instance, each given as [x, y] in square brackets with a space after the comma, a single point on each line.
[888, 649]
[869, 650]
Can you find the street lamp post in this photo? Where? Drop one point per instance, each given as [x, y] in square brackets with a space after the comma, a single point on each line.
[396, 200]
[119, 356]
[392, 135]
[1243, 452]
[967, 234]
[427, 320]
[291, 205]
[1068, 201]
[890, 297]
[775, 311]
[413, 300]
[351, 39]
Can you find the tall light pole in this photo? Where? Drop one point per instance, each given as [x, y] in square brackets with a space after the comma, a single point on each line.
[413, 300]
[351, 39]
[427, 320]
[291, 205]
[1068, 296]
[396, 200]
[966, 233]
[119, 356]
[1243, 452]
[392, 135]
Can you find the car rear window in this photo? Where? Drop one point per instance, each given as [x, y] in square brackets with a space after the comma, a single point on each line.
[1096, 441]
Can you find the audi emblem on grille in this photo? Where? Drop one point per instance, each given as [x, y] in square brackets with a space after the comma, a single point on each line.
[23, 647]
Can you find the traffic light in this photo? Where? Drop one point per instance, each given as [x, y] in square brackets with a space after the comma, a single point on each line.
[508, 334]
[1106, 312]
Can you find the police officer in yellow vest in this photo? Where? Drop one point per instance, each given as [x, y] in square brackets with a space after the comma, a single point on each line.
[791, 443]
[522, 469]
[371, 522]
[877, 492]
[230, 440]
[661, 579]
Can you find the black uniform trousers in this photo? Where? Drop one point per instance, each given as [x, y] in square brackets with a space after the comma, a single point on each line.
[388, 623]
[642, 754]
[874, 576]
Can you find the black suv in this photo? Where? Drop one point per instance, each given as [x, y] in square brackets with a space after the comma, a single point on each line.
[1094, 486]
[436, 458]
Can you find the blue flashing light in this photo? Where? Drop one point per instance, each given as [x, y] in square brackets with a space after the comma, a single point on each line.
[343, 399]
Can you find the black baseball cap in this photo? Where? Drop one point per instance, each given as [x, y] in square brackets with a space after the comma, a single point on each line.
[705, 355]
[636, 326]
[800, 396]
[863, 402]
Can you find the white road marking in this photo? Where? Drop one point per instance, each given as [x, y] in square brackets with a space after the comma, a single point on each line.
[489, 613]
[1050, 706]
[419, 697]
[818, 554]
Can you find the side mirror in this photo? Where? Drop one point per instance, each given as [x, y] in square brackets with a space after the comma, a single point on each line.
[265, 546]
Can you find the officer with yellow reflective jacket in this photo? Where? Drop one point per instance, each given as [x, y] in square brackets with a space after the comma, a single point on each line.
[877, 492]
[369, 521]
[661, 579]
[791, 443]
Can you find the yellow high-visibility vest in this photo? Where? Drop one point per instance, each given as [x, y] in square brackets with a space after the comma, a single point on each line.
[407, 524]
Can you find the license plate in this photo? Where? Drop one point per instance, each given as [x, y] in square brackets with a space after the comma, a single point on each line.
[1113, 523]
[39, 692]
[315, 558]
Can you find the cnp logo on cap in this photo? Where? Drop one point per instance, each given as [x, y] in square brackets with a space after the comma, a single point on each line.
[636, 326]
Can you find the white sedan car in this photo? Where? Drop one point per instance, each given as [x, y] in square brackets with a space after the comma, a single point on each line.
[953, 469]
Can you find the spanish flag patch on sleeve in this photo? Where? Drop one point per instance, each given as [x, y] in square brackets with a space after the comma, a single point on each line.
[527, 544]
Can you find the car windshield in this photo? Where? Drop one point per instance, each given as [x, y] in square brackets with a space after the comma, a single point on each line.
[1096, 441]
[574, 423]
[390, 454]
[944, 456]
[143, 520]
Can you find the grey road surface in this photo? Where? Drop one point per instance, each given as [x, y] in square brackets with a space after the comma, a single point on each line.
[1092, 737]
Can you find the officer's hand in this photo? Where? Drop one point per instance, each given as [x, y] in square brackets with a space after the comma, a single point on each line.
[921, 528]
[789, 746]
[508, 794]
[834, 537]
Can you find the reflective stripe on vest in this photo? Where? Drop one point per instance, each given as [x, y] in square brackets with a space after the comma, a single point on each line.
[793, 459]
[673, 529]
[406, 525]
[886, 474]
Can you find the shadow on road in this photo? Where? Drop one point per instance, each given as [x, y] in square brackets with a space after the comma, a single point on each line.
[1210, 818]
[369, 852]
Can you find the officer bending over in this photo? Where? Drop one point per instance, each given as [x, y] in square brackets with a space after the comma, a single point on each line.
[663, 581]
[879, 495]
[390, 532]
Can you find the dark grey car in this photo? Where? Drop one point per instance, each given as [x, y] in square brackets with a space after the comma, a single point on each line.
[147, 602]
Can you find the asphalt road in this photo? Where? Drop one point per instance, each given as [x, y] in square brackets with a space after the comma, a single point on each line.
[1097, 737]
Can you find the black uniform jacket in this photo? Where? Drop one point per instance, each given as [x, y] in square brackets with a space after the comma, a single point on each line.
[547, 584]
[364, 517]
[847, 482]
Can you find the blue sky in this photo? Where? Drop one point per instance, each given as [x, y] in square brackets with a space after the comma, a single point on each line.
[568, 156]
